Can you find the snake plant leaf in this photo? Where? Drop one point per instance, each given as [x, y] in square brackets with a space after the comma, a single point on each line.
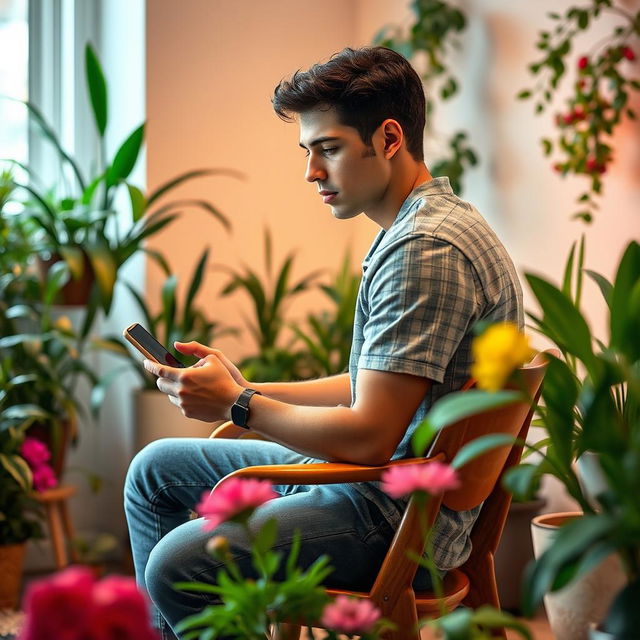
[97, 89]
[457, 406]
[74, 258]
[160, 260]
[126, 157]
[189, 175]
[566, 326]
[169, 303]
[138, 202]
[105, 270]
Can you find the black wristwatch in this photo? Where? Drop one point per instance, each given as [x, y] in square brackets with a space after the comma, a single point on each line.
[240, 408]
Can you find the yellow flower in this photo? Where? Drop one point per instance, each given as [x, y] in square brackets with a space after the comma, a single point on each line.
[63, 323]
[497, 353]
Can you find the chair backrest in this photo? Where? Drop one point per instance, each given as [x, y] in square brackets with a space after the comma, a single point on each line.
[479, 477]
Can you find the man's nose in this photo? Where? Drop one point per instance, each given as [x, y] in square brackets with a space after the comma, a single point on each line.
[314, 171]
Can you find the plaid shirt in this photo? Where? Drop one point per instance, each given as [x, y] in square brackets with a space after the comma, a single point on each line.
[426, 281]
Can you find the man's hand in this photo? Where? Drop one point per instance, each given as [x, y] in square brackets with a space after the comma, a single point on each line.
[204, 392]
[201, 351]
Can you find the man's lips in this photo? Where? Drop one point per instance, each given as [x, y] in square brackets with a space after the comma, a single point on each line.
[328, 196]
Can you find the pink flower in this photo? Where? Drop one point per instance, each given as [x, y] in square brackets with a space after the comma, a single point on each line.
[44, 478]
[120, 611]
[71, 605]
[234, 499]
[350, 615]
[431, 477]
[35, 452]
[59, 607]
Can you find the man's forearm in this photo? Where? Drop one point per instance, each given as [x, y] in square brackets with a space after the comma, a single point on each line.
[324, 392]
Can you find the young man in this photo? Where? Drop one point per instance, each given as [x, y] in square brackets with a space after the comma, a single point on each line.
[433, 271]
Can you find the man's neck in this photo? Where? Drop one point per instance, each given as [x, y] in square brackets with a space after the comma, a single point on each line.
[410, 176]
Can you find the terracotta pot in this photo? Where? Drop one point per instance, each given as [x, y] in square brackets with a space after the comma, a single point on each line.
[11, 561]
[586, 600]
[75, 292]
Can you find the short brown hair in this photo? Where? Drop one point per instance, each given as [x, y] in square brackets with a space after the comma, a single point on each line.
[365, 87]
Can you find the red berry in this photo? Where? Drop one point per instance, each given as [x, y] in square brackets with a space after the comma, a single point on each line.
[558, 167]
[578, 113]
[581, 84]
[568, 118]
[592, 164]
[583, 62]
[628, 53]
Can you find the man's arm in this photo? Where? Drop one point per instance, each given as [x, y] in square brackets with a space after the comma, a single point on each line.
[366, 433]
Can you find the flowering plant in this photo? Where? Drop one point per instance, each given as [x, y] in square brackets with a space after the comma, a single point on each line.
[281, 592]
[73, 605]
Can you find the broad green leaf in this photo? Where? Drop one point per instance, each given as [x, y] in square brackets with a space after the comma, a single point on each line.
[625, 304]
[606, 288]
[563, 321]
[125, 158]
[493, 618]
[88, 193]
[266, 537]
[74, 257]
[17, 467]
[456, 406]
[97, 87]
[138, 202]
[105, 270]
[57, 277]
[168, 186]
[456, 625]
[481, 445]
[522, 481]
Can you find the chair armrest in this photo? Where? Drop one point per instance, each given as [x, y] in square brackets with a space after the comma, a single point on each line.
[323, 472]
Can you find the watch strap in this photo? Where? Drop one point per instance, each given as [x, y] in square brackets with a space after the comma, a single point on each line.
[240, 408]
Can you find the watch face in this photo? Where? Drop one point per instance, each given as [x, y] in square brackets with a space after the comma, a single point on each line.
[240, 409]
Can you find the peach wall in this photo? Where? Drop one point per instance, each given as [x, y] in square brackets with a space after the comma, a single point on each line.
[212, 67]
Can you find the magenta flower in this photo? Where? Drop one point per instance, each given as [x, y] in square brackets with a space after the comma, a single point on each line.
[44, 478]
[35, 452]
[59, 607]
[431, 477]
[234, 499]
[120, 611]
[350, 615]
[71, 605]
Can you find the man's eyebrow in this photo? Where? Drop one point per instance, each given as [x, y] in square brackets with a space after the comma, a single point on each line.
[318, 141]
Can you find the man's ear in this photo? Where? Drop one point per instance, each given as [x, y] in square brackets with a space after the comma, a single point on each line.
[393, 137]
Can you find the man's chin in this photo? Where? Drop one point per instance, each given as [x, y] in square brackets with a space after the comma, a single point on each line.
[344, 214]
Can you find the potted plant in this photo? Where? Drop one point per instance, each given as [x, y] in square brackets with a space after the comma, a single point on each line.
[176, 319]
[591, 402]
[77, 220]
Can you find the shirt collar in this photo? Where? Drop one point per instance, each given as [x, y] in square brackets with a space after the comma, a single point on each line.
[435, 186]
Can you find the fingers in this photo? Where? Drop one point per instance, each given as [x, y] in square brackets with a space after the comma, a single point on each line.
[193, 348]
[162, 370]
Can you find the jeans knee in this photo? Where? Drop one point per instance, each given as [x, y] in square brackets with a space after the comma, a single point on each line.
[142, 471]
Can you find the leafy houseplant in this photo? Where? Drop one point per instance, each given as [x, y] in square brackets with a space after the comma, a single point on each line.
[77, 221]
[269, 299]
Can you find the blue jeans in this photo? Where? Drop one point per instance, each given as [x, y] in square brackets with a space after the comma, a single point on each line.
[166, 480]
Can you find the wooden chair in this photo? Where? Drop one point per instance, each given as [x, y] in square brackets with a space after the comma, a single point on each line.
[472, 584]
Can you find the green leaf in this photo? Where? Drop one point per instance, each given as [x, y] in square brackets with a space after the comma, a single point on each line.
[606, 288]
[454, 407]
[97, 89]
[625, 304]
[481, 445]
[194, 286]
[125, 158]
[138, 202]
[266, 537]
[57, 277]
[522, 481]
[17, 467]
[491, 618]
[105, 270]
[562, 321]
[523, 95]
[74, 257]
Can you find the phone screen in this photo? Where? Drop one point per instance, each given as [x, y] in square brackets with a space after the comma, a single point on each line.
[148, 342]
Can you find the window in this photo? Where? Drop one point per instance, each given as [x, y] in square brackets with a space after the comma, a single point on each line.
[14, 79]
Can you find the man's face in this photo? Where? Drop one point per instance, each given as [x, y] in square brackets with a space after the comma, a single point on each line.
[351, 177]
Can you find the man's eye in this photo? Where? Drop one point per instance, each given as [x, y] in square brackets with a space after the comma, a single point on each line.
[327, 151]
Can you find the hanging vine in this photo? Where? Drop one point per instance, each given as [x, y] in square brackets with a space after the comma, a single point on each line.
[600, 99]
[434, 33]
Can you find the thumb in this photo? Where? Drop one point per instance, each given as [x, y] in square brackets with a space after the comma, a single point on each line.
[193, 348]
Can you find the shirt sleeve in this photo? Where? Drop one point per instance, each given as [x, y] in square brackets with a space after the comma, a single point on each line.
[422, 302]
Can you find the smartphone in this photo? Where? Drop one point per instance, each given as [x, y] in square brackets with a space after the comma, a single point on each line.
[146, 344]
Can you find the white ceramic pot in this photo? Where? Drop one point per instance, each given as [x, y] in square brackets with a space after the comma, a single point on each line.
[585, 600]
[157, 418]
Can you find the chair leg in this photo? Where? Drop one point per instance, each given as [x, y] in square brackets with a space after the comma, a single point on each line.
[484, 589]
[285, 631]
[56, 533]
[405, 617]
[69, 530]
